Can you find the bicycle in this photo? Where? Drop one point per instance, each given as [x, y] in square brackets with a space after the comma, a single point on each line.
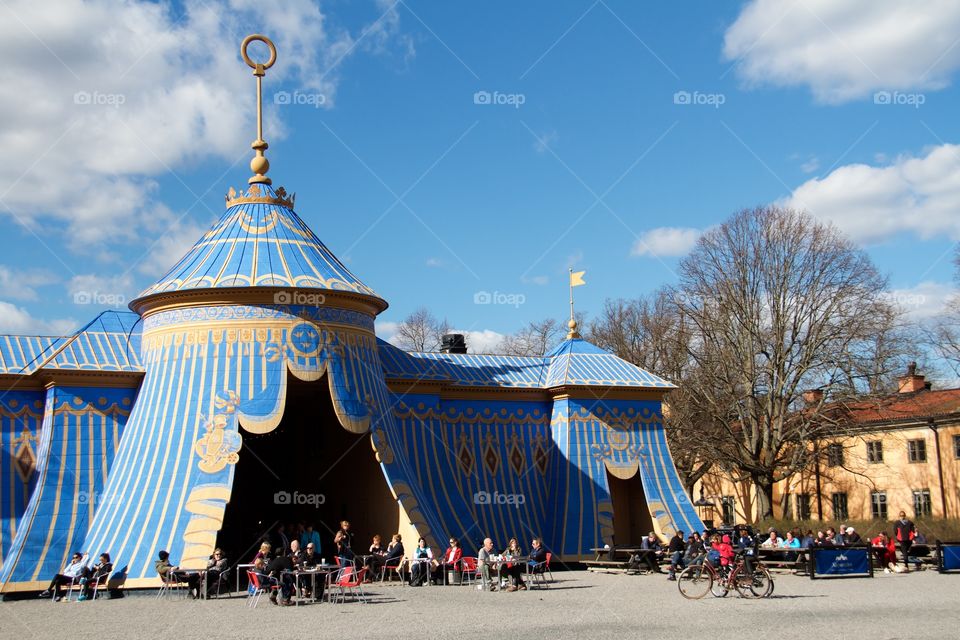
[696, 580]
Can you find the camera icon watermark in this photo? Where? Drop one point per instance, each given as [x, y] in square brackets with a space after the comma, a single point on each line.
[499, 499]
[299, 298]
[99, 99]
[899, 98]
[285, 498]
[515, 100]
[498, 297]
[100, 298]
[714, 100]
[300, 98]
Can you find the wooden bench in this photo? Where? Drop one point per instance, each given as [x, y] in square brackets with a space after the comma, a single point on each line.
[620, 560]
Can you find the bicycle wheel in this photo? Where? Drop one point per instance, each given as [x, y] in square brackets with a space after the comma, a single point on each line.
[759, 584]
[694, 582]
[720, 586]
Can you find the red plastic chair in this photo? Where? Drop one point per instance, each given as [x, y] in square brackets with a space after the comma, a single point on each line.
[396, 568]
[468, 569]
[546, 569]
[259, 588]
[351, 580]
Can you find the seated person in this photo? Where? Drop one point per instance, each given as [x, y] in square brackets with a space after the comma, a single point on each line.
[695, 550]
[821, 540]
[513, 570]
[486, 560]
[885, 550]
[90, 576]
[263, 553]
[310, 558]
[296, 554]
[170, 573]
[70, 574]
[450, 562]
[831, 539]
[744, 541]
[852, 537]
[374, 561]
[423, 559]
[676, 548]
[280, 571]
[216, 566]
[771, 542]
[724, 548]
[652, 544]
[808, 539]
[790, 542]
[537, 560]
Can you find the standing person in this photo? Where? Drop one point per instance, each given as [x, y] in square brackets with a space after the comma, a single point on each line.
[904, 532]
[486, 560]
[343, 540]
[70, 574]
[281, 541]
[675, 548]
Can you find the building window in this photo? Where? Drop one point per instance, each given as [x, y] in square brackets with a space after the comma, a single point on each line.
[875, 451]
[834, 455]
[727, 506]
[878, 504]
[840, 506]
[787, 507]
[921, 503]
[917, 450]
[803, 506]
[956, 446]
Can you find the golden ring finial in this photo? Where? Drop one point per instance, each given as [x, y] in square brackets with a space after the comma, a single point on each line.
[259, 165]
[258, 67]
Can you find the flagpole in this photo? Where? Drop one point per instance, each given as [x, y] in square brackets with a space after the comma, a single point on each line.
[570, 282]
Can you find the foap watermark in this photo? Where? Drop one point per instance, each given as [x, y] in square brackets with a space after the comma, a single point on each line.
[497, 498]
[300, 98]
[498, 297]
[96, 498]
[285, 498]
[100, 298]
[903, 299]
[300, 298]
[99, 99]
[514, 100]
[900, 98]
[699, 98]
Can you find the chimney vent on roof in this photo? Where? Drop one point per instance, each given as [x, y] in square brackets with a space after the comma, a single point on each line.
[912, 382]
[453, 343]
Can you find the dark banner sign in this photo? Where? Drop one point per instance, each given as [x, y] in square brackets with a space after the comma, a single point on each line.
[842, 561]
[949, 556]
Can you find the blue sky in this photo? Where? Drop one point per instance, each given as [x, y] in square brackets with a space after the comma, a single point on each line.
[595, 158]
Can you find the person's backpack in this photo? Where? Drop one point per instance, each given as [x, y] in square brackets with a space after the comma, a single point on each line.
[714, 557]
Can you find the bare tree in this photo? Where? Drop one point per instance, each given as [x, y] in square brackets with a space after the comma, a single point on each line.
[535, 339]
[942, 335]
[777, 304]
[421, 331]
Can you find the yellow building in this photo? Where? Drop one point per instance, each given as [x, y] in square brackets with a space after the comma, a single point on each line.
[902, 452]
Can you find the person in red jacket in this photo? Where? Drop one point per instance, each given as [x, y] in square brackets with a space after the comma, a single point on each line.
[904, 531]
[886, 551]
[450, 561]
[724, 548]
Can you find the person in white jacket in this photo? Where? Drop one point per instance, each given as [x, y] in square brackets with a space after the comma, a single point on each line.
[70, 573]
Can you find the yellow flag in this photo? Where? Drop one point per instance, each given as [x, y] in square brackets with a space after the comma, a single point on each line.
[576, 278]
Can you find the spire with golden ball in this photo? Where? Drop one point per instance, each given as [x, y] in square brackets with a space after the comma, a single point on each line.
[259, 165]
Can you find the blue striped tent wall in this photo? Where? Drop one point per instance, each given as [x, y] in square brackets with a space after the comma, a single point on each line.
[21, 414]
[209, 372]
[82, 428]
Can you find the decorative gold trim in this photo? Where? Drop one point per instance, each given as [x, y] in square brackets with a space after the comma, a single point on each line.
[164, 301]
[256, 195]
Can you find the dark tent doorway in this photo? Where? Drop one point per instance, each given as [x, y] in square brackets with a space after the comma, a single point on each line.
[631, 516]
[309, 470]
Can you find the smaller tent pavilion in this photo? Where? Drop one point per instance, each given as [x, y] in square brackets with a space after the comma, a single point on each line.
[247, 388]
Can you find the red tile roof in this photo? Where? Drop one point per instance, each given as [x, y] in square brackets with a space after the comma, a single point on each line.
[922, 404]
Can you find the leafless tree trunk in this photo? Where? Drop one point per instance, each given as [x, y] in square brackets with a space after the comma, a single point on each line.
[778, 303]
[536, 339]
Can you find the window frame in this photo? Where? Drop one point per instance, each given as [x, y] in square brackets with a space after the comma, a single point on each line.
[878, 498]
[834, 455]
[845, 515]
[917, 451]
[925, 503]
[802, 506]
[875, 451]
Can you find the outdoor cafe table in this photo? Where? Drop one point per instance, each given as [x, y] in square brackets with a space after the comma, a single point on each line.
[502, 562]
[326, 570]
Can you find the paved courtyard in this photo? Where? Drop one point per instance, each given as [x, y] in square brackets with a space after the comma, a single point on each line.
[578, 605]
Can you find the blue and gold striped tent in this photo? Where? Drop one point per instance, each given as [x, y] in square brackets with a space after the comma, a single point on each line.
[126, 436]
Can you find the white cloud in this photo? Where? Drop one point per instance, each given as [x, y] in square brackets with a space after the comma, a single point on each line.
[846, 50]
[102, 292]
[923, 301]
[537, 280]
[916, 195]
[387, 331]
[811, 165]
[21, 284]
[485, 341]
[101, 98]
[436, 263]
[16, 320]
[666, 242]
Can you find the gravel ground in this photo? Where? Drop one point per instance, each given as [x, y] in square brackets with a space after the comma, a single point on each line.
[578, 605]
